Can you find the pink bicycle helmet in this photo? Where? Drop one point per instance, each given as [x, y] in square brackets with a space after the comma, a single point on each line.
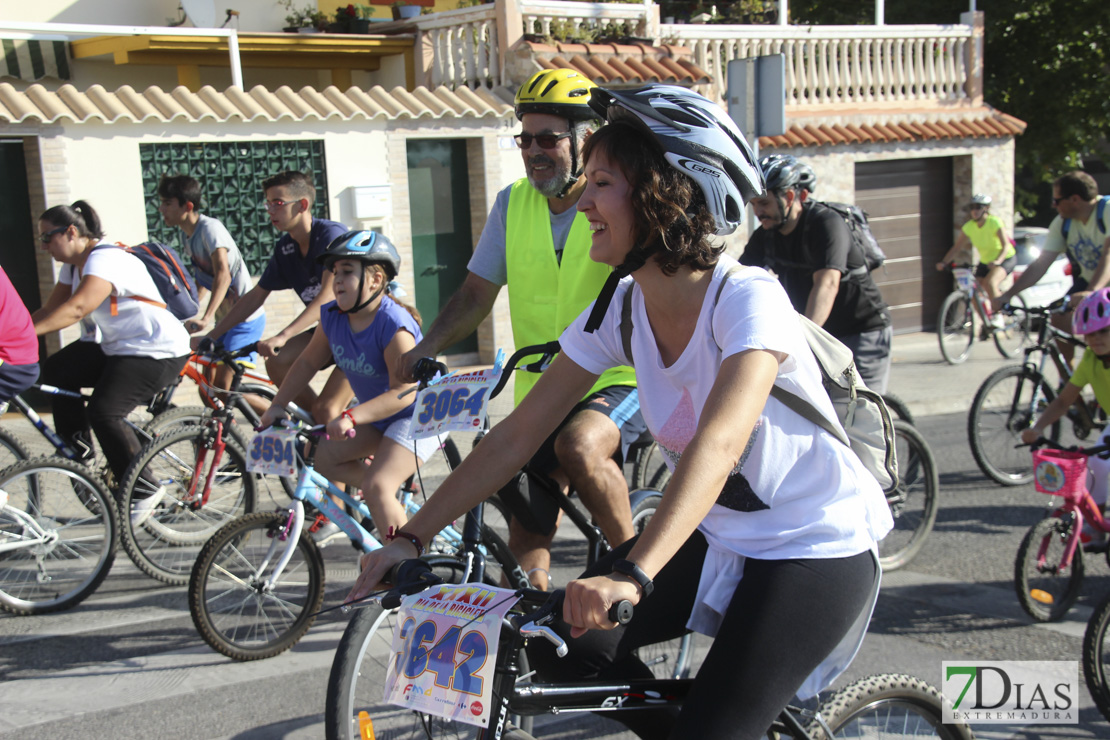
[1093, 313]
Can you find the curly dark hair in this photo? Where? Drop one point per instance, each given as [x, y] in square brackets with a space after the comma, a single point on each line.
[673, 223]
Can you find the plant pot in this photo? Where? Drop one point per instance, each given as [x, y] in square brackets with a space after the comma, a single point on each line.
[405, 12]
[307, 29]
[360, 25]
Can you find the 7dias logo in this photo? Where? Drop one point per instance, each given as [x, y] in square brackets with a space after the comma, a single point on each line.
[1011, 692]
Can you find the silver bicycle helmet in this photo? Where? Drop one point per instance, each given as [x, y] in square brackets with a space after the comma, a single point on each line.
[366, 246]
[981, 199]
[698, 139]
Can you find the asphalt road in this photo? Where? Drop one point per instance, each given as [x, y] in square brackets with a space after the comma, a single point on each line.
[128, 663]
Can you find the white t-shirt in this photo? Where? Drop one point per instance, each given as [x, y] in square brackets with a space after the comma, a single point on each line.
[138, 328]
[1085, 240]
[797, 491]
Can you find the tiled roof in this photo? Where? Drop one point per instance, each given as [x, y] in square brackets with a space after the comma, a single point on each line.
[40, 104]
[970, 124]
[620, 64]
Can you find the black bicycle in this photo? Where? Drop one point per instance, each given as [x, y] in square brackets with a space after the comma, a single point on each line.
[882, 706]
[1011, 398]
[1096, 655]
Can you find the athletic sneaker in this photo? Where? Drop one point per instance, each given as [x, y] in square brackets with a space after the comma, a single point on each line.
[144, 508]
[327, 532]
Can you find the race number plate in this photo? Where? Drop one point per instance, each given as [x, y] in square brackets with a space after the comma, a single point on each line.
[456, 403]
[444, 648]
[273, 452]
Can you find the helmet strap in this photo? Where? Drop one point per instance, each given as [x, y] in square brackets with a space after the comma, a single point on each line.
[362, 283]
[634, 261]
[575, 171]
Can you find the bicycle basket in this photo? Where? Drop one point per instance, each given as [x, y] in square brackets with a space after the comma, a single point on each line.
[1059, 472]
[965, 278]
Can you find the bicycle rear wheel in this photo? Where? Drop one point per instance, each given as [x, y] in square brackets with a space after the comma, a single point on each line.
[173, 419]
[166, 545]
[236, 607]
[956, 327]
[1047, 591]
[1013, 335]
[913, 503]
[357, 680]
[887, 706]
[673, 658]
[64, 523]
[1096, 657]
[1008, 402]
[12, 449]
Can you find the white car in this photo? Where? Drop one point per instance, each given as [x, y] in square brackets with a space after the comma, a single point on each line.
[1055, 282]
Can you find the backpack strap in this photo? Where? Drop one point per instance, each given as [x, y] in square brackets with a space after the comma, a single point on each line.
[806, 410]
[1065, 227]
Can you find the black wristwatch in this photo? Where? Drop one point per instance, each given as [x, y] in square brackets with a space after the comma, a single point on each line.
[633, 571]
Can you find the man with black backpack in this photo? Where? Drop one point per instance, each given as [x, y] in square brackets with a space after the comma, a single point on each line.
[820, 254]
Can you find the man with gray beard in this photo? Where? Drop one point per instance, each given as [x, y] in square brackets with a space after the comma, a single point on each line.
[537, 244]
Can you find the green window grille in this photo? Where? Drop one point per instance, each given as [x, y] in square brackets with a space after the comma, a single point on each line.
[231, 175]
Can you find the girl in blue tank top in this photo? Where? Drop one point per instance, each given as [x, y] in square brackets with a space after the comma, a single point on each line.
[365, 330]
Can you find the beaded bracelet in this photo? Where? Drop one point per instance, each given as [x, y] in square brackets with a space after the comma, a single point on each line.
[395, 533]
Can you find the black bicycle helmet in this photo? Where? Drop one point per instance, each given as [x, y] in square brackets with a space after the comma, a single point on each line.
[782, 171]
[699, 140]
[366, 246]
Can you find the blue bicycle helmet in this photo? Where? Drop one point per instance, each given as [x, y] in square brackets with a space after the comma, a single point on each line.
[369, 247]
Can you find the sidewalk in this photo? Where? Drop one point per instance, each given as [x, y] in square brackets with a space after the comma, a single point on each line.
[929, 385]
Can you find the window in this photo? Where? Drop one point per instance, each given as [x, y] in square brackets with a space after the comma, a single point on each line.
[231, 175]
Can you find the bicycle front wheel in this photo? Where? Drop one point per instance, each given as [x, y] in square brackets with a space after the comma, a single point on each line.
[358, 672]
[650, 471]
[1007, 403]
[237, 606]
[887, 706]
[1013, 335]
[165, 545]
[1045, 588]
[956, 327]
[913, 503]
[1096, 657]
[60, 525]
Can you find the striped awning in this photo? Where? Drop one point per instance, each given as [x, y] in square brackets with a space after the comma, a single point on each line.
[31, 60]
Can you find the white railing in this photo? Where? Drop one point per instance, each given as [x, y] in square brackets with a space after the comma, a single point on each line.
[606, 19]
[840, 64]
[463, 44]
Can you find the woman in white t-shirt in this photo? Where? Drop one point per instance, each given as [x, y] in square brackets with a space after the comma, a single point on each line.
[142, 347]
[765, 537]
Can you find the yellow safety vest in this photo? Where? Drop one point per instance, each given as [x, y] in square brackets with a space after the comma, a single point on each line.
[546, 295]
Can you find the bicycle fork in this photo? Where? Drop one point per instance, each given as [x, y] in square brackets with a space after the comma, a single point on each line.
[217, 449]
[43, 541]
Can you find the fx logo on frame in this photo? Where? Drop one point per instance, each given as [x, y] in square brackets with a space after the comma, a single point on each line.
[1011, 692]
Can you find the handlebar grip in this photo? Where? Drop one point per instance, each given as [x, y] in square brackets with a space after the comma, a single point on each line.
[621, 612]
[426, 368]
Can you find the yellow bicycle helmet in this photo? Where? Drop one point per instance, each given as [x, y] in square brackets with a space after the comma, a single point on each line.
[558, 92]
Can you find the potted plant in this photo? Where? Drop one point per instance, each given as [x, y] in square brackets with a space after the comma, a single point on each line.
[403, 11]
[307, 19]
[353, 19]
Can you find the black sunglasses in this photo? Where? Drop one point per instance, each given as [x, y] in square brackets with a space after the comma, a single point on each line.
[1056, 201]
[546, 141]
[46, 237]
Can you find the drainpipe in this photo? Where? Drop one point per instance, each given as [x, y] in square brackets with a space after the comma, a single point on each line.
[880, 12]
[784, 12]
[29, 30]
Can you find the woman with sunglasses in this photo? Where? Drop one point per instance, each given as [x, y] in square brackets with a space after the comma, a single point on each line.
[768, 519]
[987, 233]
[142, 347]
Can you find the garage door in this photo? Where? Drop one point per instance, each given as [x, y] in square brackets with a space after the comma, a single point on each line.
[909, 202]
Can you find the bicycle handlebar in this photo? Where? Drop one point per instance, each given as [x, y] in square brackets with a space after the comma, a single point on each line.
[546, 352]
[1102, 451]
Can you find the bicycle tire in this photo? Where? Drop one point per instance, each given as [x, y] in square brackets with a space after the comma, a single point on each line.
[358, 671]
[649, 469]
[191, 416]
[1096, 657]
[671, 658]
[890, 706]
[82, 533]
[1013, 336]
[1045, 593]
[913, 504]
[1001, 410]
[956, 327]
[233, 607]
[898, 408]
[167, 544]
[12, 449]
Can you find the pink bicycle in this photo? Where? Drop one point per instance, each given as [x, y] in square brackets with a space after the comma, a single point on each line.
[1048, 571]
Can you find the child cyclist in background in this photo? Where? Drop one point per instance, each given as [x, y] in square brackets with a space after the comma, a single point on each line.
[1092, 321]
[366, 330]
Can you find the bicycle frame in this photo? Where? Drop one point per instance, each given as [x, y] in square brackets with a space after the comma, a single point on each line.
[1047, 337]
[60, 445]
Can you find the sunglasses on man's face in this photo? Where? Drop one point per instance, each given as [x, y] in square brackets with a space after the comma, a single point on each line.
[546, 141]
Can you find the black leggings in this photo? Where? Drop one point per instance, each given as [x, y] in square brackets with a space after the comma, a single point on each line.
[119, 382]
[785, 617]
